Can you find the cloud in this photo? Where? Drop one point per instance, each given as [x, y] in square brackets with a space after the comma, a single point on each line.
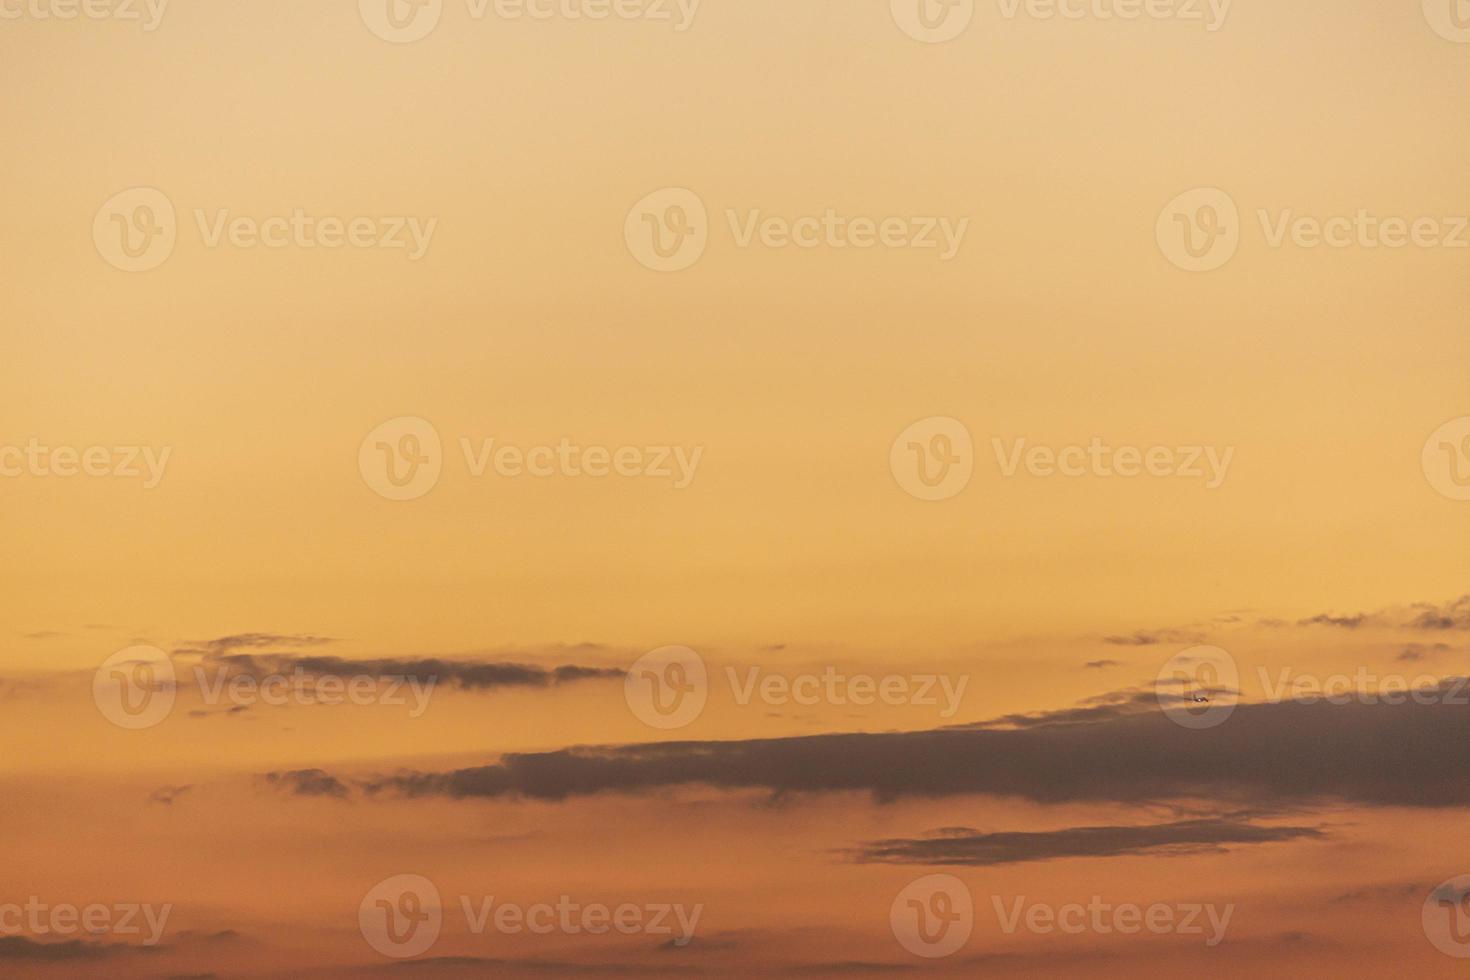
[1451, 616]
[1148, 638]
[1101, 664]
[1342, 622]
[309, 782]
[1415, 652]
[1454, 615]
[252, 641]
[1276, 754]
[468, 675]
[166, 795]
[962, 846]
[24, 948]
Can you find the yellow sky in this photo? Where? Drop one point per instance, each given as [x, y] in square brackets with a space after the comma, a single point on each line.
[528, 319]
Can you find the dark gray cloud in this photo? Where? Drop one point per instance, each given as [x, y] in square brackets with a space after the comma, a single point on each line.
[1148, 638]
[1451, 616]
[1342, 622]
[166, 795]
[962, 846]
[25, 948]
[308, 782]
[252, 641]
[1415, 652]
[469, 675]
[1101, 664]
[1120, 751]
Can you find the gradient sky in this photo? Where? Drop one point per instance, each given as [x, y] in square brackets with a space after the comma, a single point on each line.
[795, 548]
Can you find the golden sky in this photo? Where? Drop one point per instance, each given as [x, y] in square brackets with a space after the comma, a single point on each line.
[501, 347]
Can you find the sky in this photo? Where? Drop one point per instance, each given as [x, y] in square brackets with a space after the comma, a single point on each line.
[746, 489]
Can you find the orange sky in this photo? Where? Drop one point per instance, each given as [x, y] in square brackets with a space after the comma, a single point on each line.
[770, 398]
